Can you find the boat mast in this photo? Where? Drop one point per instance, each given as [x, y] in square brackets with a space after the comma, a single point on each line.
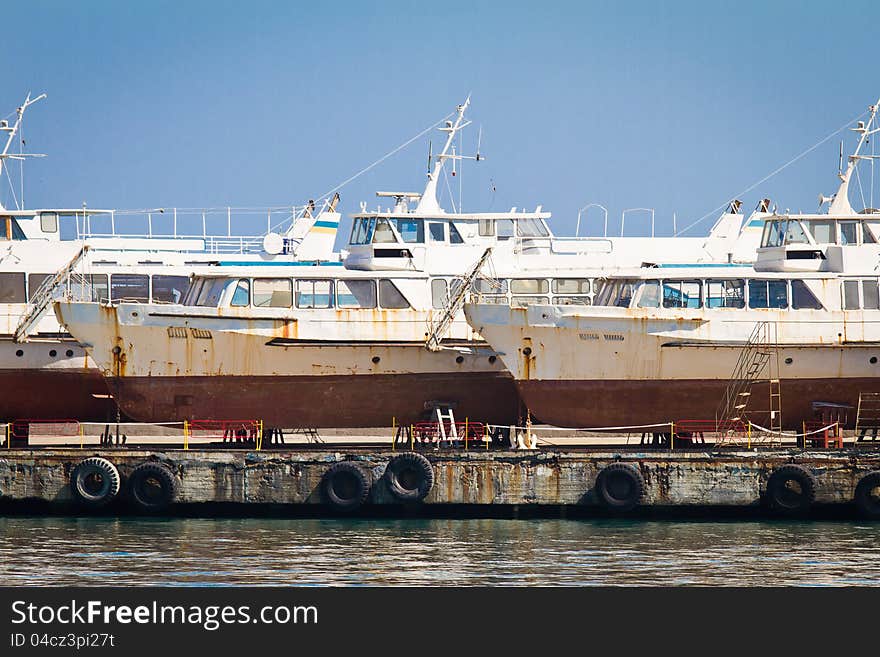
[428, 203]
[11, 131]
[840, 201]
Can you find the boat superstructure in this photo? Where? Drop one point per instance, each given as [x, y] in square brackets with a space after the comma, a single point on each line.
[665, 344]
[146, 255]
[346, 346]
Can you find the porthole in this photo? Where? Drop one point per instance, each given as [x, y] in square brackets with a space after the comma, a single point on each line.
[492, 359]
[19, 353]
[789, 361]
[459, 359]
[376, 359]
[53, 353]
[527, 351]
[873, 360]
[69, 353]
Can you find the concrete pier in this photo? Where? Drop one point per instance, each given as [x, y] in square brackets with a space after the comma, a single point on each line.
[564, 480]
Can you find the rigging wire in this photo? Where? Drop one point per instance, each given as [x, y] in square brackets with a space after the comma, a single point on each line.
[773, 173]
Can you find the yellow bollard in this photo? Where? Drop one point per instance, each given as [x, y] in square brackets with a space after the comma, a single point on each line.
[393, 432]
[465, 433]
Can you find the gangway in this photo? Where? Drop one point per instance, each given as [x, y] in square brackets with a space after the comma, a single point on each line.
[46, 294]
[454, 304]
[868, 415]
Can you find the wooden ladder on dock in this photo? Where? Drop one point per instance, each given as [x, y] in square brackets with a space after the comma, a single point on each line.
[759, 354]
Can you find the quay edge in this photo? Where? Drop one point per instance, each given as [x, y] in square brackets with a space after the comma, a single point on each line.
[484, 482]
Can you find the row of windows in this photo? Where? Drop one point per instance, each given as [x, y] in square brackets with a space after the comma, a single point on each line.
[496, 290]
[721, 293]
[793, 231]
[304, 293]
[129, 287]
[411, 231]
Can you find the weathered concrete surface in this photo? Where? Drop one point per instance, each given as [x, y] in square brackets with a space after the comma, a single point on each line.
[544, 477]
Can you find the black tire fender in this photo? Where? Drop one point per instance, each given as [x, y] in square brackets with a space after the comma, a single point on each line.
[867, 495]
[791, 489]
[94, 482]
[345, 486]
[152, 487]
[409, 476]
[620, 487]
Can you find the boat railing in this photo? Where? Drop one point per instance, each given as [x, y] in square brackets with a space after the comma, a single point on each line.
[223, 229]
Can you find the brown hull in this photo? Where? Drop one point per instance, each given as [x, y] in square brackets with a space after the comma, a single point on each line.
[46, 394]
[318, 401]
[629, 403]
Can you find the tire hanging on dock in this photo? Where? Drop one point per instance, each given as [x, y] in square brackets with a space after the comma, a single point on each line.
[345, 486]
[620, 487]
[867, 495]
[152, 487]
[409, 476]
[94, 482]
[791, 490]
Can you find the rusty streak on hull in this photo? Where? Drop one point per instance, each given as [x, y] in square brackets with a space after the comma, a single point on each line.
[45, 394]
[318, 401]
[629, 403]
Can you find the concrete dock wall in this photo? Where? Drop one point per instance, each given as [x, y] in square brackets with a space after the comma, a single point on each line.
[561, 478]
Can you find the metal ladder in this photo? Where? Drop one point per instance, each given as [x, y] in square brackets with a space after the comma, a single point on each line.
[759, 352]
[455, 302]
[868, 415]
[442, 417]
[45, 294]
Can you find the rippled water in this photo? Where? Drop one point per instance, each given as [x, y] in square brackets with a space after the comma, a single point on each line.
[124, 551]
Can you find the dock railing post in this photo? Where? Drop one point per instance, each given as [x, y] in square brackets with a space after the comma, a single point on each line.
[259, 435]
[671, 435]
[393, 432]
[81, 435]
[411, 439]
[185, 435]
[749, 434]
[465, 433]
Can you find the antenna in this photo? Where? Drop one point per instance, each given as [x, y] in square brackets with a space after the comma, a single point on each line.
[479, 141]
[430, 156]
[840, 159]
[11, 131]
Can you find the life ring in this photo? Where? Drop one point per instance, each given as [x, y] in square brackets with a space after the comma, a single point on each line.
[791, 490]
[867, 495]
[620, 487]
[152, 487]
[409, 476]
[94, 482]
[345, 486]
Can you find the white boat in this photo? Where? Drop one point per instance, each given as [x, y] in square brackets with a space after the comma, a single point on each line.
[778, 341]
[112, 255]
[346, 346]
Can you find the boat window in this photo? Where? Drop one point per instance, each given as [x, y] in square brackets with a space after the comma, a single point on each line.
[314, 294]
[572, 301]
[504, 228]
[10, 230]
[130, 287]
[650, 295]
[12, 288]
[438, 293]
[362, 231]
[794, 233]
[49, 222]
[851, 295]
[529, 286]
[867, 235]
[193, 293]
[571, 286]
[726, 294]
[35, 281]
[356, 294]
[390, 296]
[768, 294]
[437, 231]
[272, 293]
[681, 294]
[411, 231]
[823, 232]
[870, 296]
[383, 233]
[615, 293]
[490, 286]
[241, 295]
[528, 301]
[209, 296]
[774, 232]
[169, 289]
[848, 232]
[92, 287]
[487, 228]
[531, 228]
[454, 235]
[802, 298]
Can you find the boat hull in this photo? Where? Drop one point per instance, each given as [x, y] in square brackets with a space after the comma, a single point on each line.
[319, 401]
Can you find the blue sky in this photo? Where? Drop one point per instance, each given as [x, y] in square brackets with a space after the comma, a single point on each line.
[671, 105]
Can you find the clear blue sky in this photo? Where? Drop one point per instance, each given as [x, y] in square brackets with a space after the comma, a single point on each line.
[671, 105]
